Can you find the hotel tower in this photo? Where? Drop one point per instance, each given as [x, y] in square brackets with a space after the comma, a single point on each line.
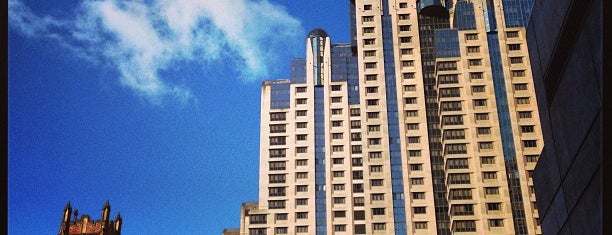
[425, 123]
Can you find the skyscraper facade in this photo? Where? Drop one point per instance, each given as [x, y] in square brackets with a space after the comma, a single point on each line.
[425, 123]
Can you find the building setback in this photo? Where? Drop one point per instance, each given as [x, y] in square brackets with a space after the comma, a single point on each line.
[567, 68]
[426, 123]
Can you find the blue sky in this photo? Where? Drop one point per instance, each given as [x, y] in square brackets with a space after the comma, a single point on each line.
[153, 105]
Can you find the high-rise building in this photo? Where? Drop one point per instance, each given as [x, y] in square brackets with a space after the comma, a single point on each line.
[426, 123]
[568, 76]
[86, 225]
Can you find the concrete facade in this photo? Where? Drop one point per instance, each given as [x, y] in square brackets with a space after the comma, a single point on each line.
[567, 68]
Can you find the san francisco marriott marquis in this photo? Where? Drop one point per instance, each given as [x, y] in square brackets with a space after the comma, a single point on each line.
[425, 123]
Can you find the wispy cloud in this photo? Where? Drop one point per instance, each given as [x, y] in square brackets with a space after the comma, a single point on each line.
[141, 39]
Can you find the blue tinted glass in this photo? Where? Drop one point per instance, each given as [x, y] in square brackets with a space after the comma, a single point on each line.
[298, 71]
[321, 204]
[447, 43]
[516, 12]
[280, 97]
[464, 16]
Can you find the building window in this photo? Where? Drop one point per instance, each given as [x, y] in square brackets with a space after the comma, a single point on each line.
[378, 211]
[355, 124]
[301, 162]
[337, 148]
[478, 89]
[516, 60]
[257, 231]
[278, 153]
[489, 175]
[477, 75]
[412, 113]
[371, 77]
[339, 200]
[277, 128]
[447, 65]
[404, 28]
[471, 36]
[493, 206]
[336, 87]
[372, 102]
[407, 51]
[419, 210]
[481, 116]
[375, 155]
[338, 174]
[527, 129]
[416, 167]
[403, 5]
[300, 101]
[338, 187]
[454, 134]
[376, 168]
[412, 126]
[496, 223]
[520, 87]
[455, 149]
[301, 215]
[367, 7]
[518, 73]
[475, 62]
[356, 136]
[473, 49]
[301, 229]
[408, 75]
[532, 158]
[452, 120]
[407, 63]
[355, 112]
[404, 16]
[417, 181]
[457, 163]
[377, 197]
[379, 226]
[483, 130]
[337, 161]
[373, 128]
[357, 175]
[301, 188]
[276, 191]
[418, 195]
[300, 113]
[459, 178]
[276, 178]
[462, 209]
[301, 175]
[460, 194]
[301, 125]
[487, 160]
[530, 143]
[277, 116]
[405, 39]
[340, 228]
[357, 161]
[337, 136]
[372, 89]
[448, 79]
[512, 34]
[410, 100]
[450, 92]
[491, 190]
[420, 225]
[276, 204]
[368, 18]
[277, 166]
[464, 226]
[514, 47]
[300, 89]
[358, 201]
[414, 153]
[301, 201]
[336, 123]
[485, 145]
[409, 87]
[280, 230]
[301, 137]
[277, 140]
[524, 114]
[522, 100]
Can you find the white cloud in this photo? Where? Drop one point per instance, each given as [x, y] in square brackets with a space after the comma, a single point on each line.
[143, 38]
